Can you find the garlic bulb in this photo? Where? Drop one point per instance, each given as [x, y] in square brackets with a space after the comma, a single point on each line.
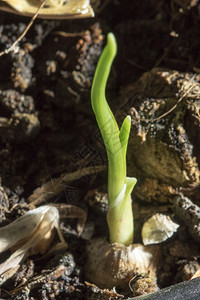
[110, 265]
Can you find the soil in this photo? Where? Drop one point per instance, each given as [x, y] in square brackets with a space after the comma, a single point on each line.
[48, 130]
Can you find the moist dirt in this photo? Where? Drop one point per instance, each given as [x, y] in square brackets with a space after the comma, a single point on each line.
[48, 131]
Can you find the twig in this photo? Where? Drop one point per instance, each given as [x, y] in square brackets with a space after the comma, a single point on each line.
[11, 48]
[67, 34]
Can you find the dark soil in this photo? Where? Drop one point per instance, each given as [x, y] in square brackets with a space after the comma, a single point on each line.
[47, 129]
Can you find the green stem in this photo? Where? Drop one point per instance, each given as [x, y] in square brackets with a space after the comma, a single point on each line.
[120, 217]
[106, 121]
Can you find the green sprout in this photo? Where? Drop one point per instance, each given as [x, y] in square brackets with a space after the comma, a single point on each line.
[120, 214]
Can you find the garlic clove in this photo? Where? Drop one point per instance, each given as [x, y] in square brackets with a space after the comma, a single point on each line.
[110, 265]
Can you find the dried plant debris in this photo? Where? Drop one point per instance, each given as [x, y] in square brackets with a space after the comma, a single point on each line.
[33, 233]
[54, 280]
[189, 213]
[143, 284]
[30, 234]
[53, 9]
[9, 34]
[164, 146]
[94, 293]
[158, 229]
[55, 186]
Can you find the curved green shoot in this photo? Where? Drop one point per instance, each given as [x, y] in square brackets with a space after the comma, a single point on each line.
[120, 216]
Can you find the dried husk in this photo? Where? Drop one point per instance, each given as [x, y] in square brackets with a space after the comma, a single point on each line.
[30, 234]
[52, 10]
[158, 229]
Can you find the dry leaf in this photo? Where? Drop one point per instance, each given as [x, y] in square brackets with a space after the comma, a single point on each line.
[53, 9]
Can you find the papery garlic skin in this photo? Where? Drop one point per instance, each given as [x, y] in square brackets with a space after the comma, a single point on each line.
[30, 234]
[25, 226]
[158, 229]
